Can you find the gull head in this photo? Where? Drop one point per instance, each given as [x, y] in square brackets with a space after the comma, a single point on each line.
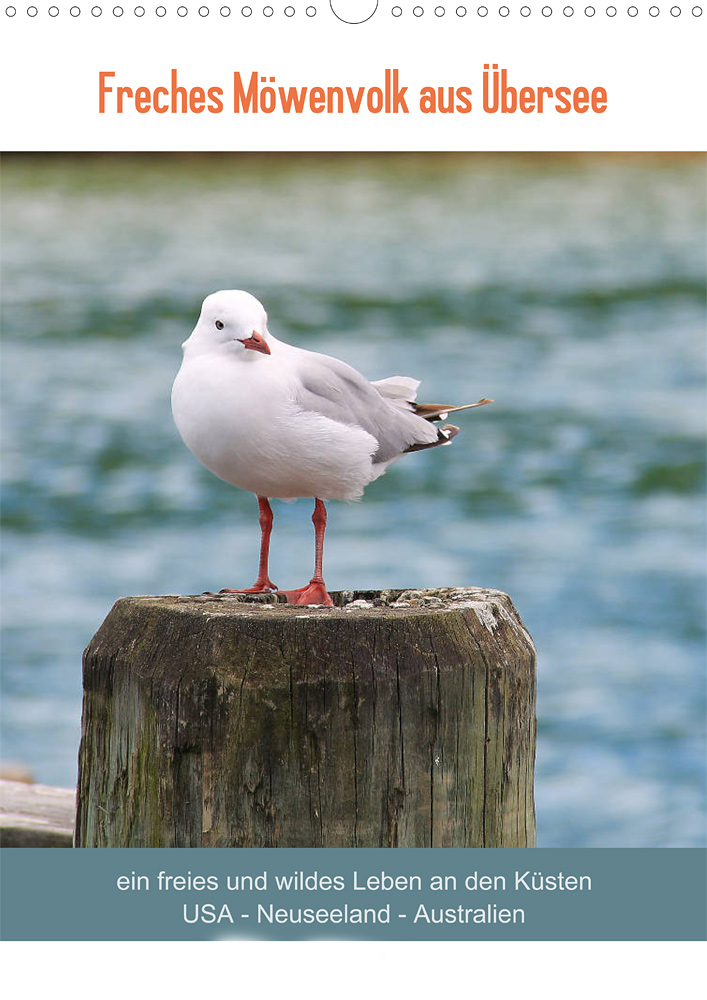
[230, 321]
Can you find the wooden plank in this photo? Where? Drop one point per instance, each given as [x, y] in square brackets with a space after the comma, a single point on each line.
[36, 815]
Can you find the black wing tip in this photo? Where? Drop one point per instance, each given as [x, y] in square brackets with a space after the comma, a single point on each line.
[444, 436]
[437, 411]
[450, 431]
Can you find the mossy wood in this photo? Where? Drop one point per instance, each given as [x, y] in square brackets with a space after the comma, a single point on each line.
[395, 719]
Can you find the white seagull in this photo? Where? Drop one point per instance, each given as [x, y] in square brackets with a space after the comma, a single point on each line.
[282, 422]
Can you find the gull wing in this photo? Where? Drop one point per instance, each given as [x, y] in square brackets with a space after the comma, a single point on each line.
[336, 390]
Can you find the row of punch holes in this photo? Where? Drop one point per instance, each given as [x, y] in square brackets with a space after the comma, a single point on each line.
[311, 11]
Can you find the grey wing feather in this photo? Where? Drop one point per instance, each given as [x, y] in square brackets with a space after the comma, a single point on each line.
[337, 391]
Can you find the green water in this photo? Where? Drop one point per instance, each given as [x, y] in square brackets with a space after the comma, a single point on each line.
[570, 289]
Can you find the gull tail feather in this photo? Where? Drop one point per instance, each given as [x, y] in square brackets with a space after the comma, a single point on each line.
[401, 390]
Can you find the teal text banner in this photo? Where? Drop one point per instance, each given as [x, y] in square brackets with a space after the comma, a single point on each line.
[359, 894]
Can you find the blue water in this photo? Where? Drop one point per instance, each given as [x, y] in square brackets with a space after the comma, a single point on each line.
[571, 289]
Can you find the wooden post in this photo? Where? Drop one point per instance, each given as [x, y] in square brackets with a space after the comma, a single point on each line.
[395, 719]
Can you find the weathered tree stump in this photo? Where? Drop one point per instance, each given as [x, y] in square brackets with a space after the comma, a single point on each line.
[395, 719]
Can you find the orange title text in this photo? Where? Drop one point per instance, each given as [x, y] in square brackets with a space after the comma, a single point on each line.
[257, 93]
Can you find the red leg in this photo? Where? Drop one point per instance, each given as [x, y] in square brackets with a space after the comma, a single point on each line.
[315, 592]
[263, 583]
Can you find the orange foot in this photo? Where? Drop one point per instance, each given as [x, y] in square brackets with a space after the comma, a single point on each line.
[314, 593]
[259, 588]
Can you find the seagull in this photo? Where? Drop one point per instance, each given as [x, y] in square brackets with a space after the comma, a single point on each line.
[282, 422]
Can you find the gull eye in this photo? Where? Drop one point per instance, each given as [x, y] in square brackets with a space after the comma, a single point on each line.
[219, 324]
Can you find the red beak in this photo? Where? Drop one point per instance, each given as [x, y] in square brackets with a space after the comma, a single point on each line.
[256, 343]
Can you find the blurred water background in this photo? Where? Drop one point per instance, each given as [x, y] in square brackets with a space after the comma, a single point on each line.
[571, 289]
